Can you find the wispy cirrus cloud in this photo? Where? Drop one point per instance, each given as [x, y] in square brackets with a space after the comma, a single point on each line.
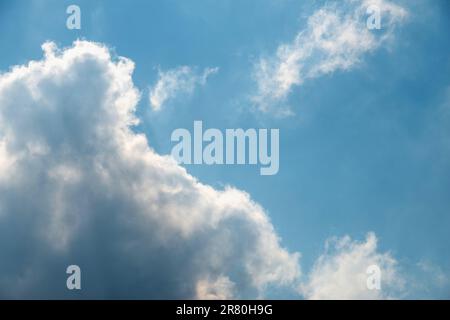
[335, 38]
[177, 81]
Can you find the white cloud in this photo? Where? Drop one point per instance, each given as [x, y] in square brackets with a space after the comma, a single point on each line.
[335, 38]
[181, 80]
[218, 289]
[78, 186]
[6, 161]
[340, 273]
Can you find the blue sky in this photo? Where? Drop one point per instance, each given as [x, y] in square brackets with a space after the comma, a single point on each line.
[367, 149]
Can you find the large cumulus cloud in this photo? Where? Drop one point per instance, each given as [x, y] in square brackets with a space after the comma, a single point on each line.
[78, 186]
